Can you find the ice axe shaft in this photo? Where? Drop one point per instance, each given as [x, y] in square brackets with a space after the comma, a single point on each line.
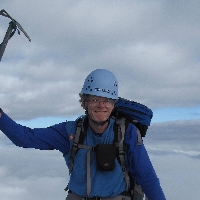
[5, 40]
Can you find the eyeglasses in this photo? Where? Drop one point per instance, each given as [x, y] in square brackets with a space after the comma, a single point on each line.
[95, 101]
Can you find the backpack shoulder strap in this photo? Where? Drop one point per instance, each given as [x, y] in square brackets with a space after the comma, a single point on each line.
[123, 122]
[119, 133]
[81, 129]
[120, 127]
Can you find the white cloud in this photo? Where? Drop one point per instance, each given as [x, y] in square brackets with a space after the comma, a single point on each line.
[176, 170]
[175, 153]
[189, 153]
[32, 174]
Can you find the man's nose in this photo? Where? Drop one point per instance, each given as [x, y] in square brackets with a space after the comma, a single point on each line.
[101, 103]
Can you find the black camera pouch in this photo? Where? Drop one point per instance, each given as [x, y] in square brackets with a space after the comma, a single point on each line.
[105, 156]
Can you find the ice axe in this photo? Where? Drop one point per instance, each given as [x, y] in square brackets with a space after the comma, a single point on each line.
[13, 26]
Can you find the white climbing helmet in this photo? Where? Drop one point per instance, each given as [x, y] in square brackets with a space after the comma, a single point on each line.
[101, 82]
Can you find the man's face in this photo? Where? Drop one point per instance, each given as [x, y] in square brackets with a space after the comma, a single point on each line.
[99, 108]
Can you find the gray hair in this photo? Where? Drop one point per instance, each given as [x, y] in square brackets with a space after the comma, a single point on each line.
[83, 97]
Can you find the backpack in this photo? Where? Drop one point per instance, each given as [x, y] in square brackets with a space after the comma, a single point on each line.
[138, 114]
[125, 112]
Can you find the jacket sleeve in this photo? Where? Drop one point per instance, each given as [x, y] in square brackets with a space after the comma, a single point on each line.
[53, 137]
[141, 168]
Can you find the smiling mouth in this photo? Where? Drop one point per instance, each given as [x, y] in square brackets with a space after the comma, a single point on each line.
[100, 112]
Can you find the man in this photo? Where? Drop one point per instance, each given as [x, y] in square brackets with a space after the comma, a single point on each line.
[98, 96]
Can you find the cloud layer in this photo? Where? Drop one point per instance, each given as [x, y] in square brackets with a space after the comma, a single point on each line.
[173, 148]
[175, 152]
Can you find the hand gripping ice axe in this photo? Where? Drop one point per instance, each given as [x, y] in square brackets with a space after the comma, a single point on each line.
[13, 26]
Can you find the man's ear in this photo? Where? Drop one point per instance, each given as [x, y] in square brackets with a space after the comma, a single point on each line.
[84, 105]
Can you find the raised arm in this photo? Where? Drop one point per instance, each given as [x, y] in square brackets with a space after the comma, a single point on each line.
[53, 137]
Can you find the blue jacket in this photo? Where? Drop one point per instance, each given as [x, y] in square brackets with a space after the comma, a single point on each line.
[104, 184]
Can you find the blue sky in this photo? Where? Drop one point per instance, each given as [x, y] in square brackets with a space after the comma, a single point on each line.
[159, 115]
[153, 49]
[171, 114]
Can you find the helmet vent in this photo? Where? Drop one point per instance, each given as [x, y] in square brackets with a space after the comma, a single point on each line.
[88, 88]
[91, 79]
[115, 84]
